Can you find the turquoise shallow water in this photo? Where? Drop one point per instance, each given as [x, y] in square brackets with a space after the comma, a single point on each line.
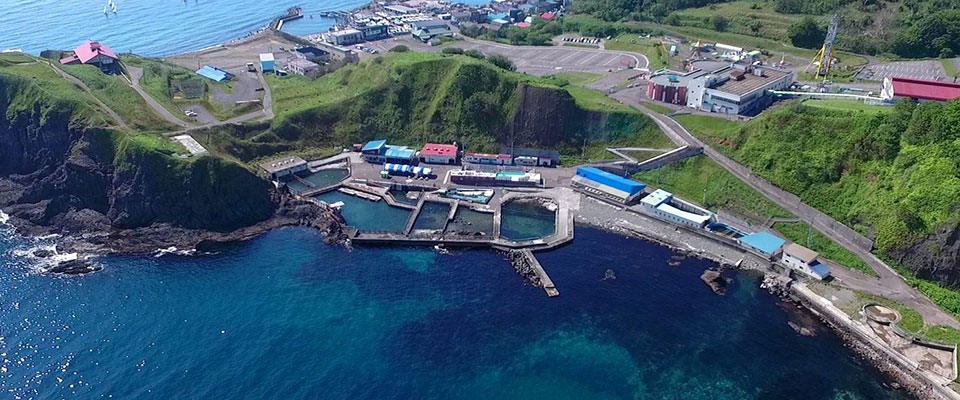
[284, 316]
[525, 221]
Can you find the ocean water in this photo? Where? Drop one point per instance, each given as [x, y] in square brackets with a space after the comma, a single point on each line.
[284, 316]
[152, 27]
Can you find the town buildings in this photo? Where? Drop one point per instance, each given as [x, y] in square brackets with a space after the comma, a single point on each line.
[345, 37]
[488, 159]
[426, 30]
[762, 242]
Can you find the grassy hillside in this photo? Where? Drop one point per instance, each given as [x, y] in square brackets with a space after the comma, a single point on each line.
[120, 97]
[411, 98]
[27, 81]
[893, 175]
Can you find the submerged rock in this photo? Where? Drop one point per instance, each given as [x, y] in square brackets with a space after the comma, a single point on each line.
[609, 274]
[74, 267]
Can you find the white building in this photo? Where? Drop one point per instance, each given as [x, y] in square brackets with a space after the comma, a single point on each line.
[804, 260]
[661, 204]
[302, 66]
[284, 167]
[345, 37]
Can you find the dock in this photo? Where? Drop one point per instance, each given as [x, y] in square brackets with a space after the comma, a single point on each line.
[293, 13]
[545, 282]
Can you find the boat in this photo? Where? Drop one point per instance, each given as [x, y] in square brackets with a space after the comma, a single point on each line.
[104, 10]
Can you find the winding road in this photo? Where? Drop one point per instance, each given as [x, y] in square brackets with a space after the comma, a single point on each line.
[888, 283]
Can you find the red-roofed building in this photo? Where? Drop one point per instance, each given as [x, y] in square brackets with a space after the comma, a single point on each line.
[919, 89]
[93, 53]
[434, 153]
[523, 25]
[547, 16]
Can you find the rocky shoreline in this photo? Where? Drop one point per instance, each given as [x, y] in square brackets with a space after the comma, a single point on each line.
[168, 238]
[899, 379]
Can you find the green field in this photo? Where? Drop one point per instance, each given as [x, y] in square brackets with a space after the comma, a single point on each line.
[949, 67]
[654, 51]
[700, 180]
[578, 78]
[847, 105]
[808, 237]
[118, 95]
[46, 81]
[658, 108]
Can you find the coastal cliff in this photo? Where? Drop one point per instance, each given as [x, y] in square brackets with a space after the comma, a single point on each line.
[64, 170]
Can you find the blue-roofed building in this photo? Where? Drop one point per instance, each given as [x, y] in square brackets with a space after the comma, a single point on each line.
[493, 17]
[804, 260]
[605, 185]
[379, 152]
[214, 74]
[764, 243]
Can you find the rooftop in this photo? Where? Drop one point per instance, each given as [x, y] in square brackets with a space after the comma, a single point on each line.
[282, 164]
[657, 198]
[797, 251]
[627, 183]
[90, 49]
[750, 82]
[766, 242]
[214, 74]
[399, 152]
[345, 32]
[434, 149]
[430, 24]
[702, 67]
[303, 64]
[926, 90]
[266, 57]
[374, 145]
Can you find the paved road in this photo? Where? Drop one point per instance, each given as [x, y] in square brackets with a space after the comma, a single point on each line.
[135, 74]
[887, 284]
[78, 82]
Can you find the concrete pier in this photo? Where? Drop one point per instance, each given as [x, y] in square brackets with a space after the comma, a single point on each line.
[545, 282]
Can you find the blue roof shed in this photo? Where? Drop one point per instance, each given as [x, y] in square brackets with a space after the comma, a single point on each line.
[374, 146]
[214, 74]
[611, 180]
[764, 242]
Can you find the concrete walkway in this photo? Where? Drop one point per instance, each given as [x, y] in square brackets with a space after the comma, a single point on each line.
[891, 285]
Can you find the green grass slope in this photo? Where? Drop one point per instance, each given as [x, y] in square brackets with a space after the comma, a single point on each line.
[411, 98]
[120, 97]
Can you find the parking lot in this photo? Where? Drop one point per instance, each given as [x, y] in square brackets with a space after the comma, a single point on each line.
[929, 70]
[536, 60]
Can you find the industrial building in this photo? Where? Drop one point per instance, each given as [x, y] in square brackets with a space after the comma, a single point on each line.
[719, 87]
[267, 62]
[661, 204]
[470, 177]
[378, 152]
[764, 243]
[426, 30]
[532, 157]
[300, 66]
[345, 37]
[94, 53]
[804, 260]
[917, 89]
[605, 185]
[313, 54]
[277, 169]
[374, 32]
[338, 53]
[489, 159]
[433, 153]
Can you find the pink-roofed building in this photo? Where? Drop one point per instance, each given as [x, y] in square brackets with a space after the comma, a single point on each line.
[547, 16]
[94, 53]
[918, 89]
[434, 153]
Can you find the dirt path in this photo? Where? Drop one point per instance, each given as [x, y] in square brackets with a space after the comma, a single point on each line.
[78, 82]
[135, 74]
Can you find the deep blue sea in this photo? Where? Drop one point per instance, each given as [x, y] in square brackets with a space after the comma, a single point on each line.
[152, 27]
[284, 316]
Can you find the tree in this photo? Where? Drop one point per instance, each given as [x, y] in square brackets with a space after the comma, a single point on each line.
[719, 23]
[755, 27]
[502, 62]
[399, 49]
[806, 33]
[475, 54]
